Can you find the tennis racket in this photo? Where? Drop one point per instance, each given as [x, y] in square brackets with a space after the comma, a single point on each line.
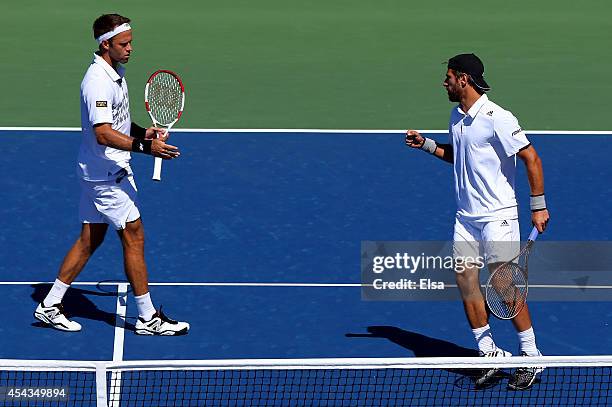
[507, 286]
[164, 101]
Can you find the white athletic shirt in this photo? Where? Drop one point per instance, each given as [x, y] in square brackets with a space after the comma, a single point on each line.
[104, 99]
[485, 141]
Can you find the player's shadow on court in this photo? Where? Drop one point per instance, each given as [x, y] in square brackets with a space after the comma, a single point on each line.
[77, 304]
[424, 346]
[420, 345]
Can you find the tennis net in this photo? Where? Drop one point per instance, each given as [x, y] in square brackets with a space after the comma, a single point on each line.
[566, 381]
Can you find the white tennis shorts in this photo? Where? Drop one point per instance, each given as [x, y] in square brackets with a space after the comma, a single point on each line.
[112, 202]
[493, 241]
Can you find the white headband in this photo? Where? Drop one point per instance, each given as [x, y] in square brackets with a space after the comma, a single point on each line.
[117, 30]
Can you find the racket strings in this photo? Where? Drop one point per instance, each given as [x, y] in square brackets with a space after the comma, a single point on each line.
[508, 291]
[165, 98]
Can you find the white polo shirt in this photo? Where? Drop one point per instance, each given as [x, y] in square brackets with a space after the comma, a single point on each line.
[104, 99]
[485, 141]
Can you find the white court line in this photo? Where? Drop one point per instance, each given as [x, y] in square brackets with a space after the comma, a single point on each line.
[255, 284]
[120, 321]
[119, 341]
[40, 129]
[321, 131]
[239, 284]
[195, 284]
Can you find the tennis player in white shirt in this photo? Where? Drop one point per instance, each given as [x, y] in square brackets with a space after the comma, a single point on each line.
[484, 142]
[108, 190]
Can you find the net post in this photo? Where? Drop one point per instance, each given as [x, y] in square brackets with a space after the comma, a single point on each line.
[101, 386]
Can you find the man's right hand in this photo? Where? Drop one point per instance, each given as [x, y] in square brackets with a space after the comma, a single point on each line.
[156, 132]
[414, 139]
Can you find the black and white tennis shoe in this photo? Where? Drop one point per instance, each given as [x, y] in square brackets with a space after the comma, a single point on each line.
[490, 375]
[160, 324]
[55, 317]
[524, 377]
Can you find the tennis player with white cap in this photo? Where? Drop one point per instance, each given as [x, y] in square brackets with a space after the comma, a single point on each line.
[485, 140]
[108, 190]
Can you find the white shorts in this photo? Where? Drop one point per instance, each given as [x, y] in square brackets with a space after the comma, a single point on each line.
[494, 241]
[112, 202]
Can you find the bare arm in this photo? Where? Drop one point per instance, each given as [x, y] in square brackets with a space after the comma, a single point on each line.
[535, 176]
[443, 151]
[107, 136]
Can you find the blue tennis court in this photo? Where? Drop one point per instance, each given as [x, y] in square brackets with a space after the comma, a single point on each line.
[254, 238]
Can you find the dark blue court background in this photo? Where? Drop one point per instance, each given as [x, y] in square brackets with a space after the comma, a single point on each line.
[248, 207]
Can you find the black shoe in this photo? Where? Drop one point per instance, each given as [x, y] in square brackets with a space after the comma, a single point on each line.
[524, 377]
[488, 376]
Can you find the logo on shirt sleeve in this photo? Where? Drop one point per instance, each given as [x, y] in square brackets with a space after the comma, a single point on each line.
[517, 131]
[101, 103]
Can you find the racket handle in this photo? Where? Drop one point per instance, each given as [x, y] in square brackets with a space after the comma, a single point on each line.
[534, 234]
[157, 166]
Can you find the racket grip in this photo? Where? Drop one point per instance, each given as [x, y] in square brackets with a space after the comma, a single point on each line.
[157, 166]
[534, 234]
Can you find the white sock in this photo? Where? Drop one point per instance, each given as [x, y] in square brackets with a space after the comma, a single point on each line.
[528, 342]
[56, 293]
[146, 310]
[484, 339]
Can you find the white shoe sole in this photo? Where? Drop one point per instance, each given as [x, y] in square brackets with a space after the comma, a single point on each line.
[165, 333]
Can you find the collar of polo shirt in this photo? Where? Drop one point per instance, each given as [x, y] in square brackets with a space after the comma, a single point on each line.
[114, 75]
[476, 106]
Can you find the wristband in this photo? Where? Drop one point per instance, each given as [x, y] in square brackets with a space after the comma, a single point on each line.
[537, 202]
[137, 132]
[429, 145]
[142, 146]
